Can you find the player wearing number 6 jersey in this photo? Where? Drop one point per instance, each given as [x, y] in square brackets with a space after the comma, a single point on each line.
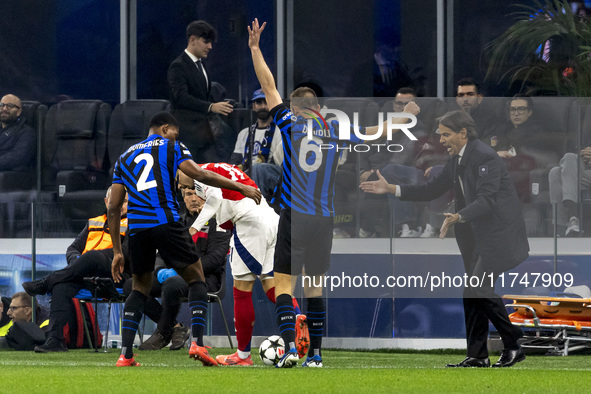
[304, 237]
[147, 171]
[252, 246]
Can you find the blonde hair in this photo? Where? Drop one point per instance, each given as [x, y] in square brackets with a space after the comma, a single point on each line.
[304, 97]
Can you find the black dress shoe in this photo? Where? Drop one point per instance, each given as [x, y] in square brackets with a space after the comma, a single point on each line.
[52, 344]
[509, 358]
[471, 362]
[36, 287]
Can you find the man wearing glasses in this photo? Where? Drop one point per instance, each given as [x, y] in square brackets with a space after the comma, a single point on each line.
[17, 140]
[20, 309]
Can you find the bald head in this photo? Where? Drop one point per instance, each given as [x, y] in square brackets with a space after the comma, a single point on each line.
[185, 181]
[9, 116]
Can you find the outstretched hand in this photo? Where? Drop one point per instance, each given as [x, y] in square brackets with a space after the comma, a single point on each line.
[376, 187]
[450, 220]
[254, 33]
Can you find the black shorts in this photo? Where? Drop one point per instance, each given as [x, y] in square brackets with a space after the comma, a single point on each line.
[172, 240]
[303, 242]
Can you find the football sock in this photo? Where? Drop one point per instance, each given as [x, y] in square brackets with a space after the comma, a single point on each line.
[296, 306]
[286, 320]
[198, 306]
[243, 318]
[271, 294]
[132, 314]
[315, 314]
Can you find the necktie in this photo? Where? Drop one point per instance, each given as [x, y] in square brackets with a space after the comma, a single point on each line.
[201, 69]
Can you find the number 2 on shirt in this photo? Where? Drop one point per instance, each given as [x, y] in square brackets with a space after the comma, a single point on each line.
[141, 183]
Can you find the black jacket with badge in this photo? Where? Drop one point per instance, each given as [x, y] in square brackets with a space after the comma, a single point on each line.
[492, 212]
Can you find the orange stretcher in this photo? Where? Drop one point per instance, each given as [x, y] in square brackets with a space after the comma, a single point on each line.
[558, 324]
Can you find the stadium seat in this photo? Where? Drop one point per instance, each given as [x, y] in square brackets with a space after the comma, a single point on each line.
[99, 290]
[129, 124]
[79, 160]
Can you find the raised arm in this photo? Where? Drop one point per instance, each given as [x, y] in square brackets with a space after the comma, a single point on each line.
[261, 69]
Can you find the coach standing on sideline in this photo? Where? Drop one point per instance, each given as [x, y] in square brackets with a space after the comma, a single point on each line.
[489, 228]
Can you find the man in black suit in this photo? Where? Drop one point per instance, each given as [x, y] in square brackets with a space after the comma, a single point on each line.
[190, 86]
[489, 228]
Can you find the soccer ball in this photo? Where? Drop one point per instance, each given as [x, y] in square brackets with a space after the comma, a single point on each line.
[271, 350]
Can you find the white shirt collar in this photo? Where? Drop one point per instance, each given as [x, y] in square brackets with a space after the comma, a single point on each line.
[461, 154]
[193, 57]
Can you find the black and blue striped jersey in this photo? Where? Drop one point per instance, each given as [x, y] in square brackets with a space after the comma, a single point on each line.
[148, 170]
[309, 164]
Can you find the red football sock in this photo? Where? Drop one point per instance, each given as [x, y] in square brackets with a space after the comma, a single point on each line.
[271, 294]
[243, 318]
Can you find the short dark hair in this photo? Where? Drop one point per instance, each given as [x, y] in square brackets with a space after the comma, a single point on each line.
[304, 97]
[526, 98]
[458, 120]
[162, 118]
[407, 90]
[469, 81]
[201, 29]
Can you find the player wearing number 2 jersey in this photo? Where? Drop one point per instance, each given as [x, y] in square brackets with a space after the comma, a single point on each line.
[304, 237]
[254, 233]
[147, 171]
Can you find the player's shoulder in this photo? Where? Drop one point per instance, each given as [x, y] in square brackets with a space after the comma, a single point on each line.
[281, 112]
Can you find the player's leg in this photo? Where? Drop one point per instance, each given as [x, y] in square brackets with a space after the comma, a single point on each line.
[316, 315]
[243, 322]
[284, 310]
[142, 254]
[179, 251]
[316, 263]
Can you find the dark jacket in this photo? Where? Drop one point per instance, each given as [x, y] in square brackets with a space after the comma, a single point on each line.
[212, 248]
[188, 88]
[18, 147]
[494, 228]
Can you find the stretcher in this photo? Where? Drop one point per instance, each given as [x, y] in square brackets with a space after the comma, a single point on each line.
[557, 324]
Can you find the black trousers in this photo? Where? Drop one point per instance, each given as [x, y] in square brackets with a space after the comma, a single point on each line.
[481, 304]
[65, 283]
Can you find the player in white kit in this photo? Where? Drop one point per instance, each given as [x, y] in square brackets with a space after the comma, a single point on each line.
[252, 247]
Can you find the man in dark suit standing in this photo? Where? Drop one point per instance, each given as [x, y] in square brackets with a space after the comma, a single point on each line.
[190, 86]
[489, 228]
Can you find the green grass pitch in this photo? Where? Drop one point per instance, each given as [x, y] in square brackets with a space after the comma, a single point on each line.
[164, 371]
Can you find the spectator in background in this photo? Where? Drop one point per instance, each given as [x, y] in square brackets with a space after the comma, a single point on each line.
[522, 134]
[18, 141]
[190, 90]
[21, 309]
[470, 99]
[564, 187]
[89, 255]
[391, 163]
[523, 145]
[267, 148]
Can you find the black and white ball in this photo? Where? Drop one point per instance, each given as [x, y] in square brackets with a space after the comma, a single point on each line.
[271, 350]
